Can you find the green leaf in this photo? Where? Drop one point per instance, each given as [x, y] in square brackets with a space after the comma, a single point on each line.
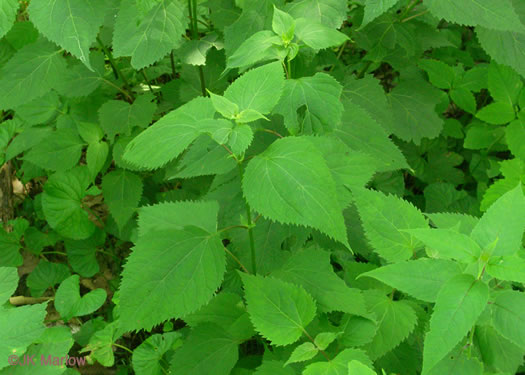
[208, 350]
[46, 275]
[312, 270]
[147, 35]
[515, 136]
[194, 52]
[20, 327]
[224, 106]
[395, 321]
[69, 303]
[504, 223]
[31, 73]
[258, 47]
[324, 339]
[8, 282]
[119, 117]
[448, 244]
[40, 110]
[330, 13]
[304, 94]
[497, 113]
[8, 10]
[413, 107]
[279, 311]
[385, 218]
[240, 138]
[498, 352]
[150, 356]
[458, 305]
[357, 331]
[361, 133]
[122, 191]
[283, 24]
[62, 203]
[10, 250]
[339, 364]
[504, 83]
[289, 182]
[513, 171]
[101, 344]
[316, 35]
[421, 278]
[375, 8]
[81, 255]
[440, 74]
[259, 89]
[72, 24]
[464, 99]
[509, 268]
[96, 156]
[168, 137]
[507, 316]
[505, 47]
[357, 368]
[177, 215]
[302, 353]
[203, 157]
[187, 264]
[59, 151]
[486, 13]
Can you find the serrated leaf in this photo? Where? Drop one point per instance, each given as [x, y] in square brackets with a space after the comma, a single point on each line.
[330, 13]
[464, 99]
[486, 13]
[421, 278]
[147, 35]
[96, 155]
[312, 270]
[357, 331]
[40, 110]
[149, 357]
[505, 47]
[72, 24]
[258, 89]
[507, 316]
[185, 265]
[176, 215]
[30, 73]
[504, 83]
[360, 132]
[45, 275]
[8, 10]
[323, 339]
[59, 151]
[440, 74]
[280, 311]
[497, 351]
[458, 305]
[357, 368]
[62, 203]
[258, 47]
[385, 219]
[208, 350]
[69, 303]
[101, 344]
[413, 107]
[81, 255]
[503, 222]
[339, 364]
[395, 321]
[497, 113]
[283, 24]
[168, 137]
[119, 117]
[448, 244]
[320, 116]
[316, 35]
[78, 80]
[515, 136]
[510, 268]
[302, 353]
[122, 191]
[375, 8]
[224, 106]
[273, 179]
[8, 282]
[20, 327]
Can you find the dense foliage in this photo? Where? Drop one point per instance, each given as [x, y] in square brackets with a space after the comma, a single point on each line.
[263, 187]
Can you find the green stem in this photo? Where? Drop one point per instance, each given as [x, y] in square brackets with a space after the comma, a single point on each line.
[54, 252]
[203, 82]
[192, 9]
[365, 68]
[250, 230]
[409, 7]
[318, 348]
[236, 259]
[147, 81]
[289, 65]
[123, 347]
[195, 16]
[116, 70]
